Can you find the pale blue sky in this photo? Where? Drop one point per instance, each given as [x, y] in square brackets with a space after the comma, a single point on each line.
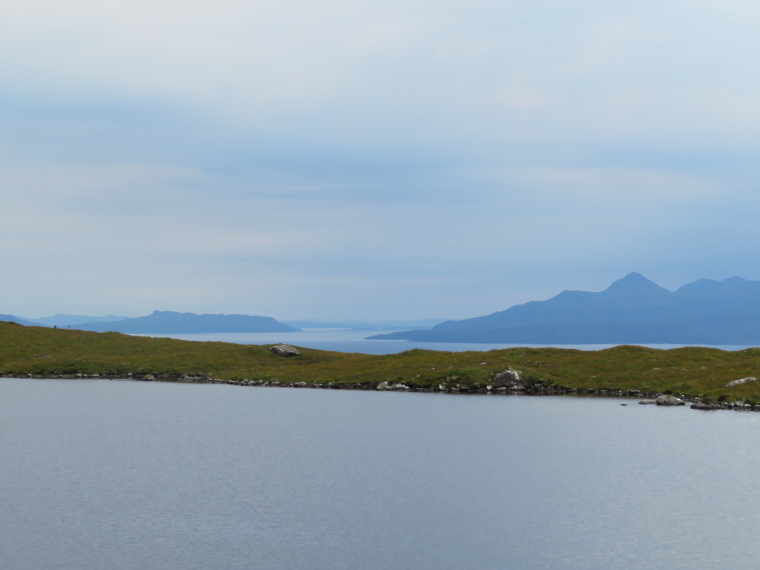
[371, 159]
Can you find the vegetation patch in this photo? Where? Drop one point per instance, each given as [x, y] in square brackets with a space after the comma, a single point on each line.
[692, 371]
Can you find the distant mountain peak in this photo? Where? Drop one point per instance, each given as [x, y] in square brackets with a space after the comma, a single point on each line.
[634, 283]
[733, 286]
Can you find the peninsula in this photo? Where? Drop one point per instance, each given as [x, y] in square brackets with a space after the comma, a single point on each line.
[692, 372]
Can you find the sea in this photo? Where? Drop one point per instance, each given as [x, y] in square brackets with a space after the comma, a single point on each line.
[350, 340]
[119, 474]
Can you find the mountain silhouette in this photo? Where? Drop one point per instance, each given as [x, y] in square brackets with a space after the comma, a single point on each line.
[632, 310]
[170, 322]
[17, 320]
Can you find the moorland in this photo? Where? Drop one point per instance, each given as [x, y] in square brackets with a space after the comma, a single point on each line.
[628, 370]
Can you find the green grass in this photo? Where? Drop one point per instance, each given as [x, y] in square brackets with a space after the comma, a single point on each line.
[691, 371]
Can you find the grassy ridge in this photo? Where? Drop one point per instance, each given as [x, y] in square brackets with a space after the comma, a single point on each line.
[691, 371]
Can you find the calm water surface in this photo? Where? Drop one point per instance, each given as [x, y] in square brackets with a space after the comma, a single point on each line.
[348, 340]
[100, 474]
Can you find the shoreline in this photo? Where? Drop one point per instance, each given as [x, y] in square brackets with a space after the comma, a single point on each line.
[705, 377]
[538, 389]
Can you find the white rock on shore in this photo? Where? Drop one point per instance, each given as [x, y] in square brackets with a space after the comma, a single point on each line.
[740, 381]
[666, 400]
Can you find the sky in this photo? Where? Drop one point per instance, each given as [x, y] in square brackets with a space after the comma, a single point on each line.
[371, 159]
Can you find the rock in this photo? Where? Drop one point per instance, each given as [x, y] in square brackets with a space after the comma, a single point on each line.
[705, 406]
[508, 375]
[385, 386]
[647, 402]
[509, 379]
[284, 350]
[666, 400]
[740, 381]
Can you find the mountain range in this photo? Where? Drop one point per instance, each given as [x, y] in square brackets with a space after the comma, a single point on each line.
[633, 310]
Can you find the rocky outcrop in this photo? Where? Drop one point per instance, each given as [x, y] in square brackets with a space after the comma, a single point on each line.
[397, 387]
[284, 350]
[705, 405]
[740, 381]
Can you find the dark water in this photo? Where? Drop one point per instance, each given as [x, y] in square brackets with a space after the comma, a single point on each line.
[126, 475]
[344, 340]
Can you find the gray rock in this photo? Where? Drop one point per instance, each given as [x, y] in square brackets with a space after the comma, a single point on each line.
[705, 406]
[666, 400]
[647, 402]
[740, 381]
[284, 350]
[507, 375]
[509, 379]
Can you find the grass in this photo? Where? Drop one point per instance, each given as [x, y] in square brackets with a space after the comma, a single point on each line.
[692, 371]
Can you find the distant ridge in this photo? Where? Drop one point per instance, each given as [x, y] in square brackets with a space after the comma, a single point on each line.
[170, 322]
[63, 320]
[632, 310]
[17, 320]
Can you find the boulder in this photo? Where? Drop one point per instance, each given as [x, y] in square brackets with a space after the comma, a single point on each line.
[740, 381]
[666, 400]
[509, 379]
[284, 350]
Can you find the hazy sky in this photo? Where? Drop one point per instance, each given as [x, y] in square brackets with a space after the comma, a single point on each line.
[371, 159]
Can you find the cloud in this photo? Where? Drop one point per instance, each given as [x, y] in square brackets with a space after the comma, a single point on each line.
[435, 158]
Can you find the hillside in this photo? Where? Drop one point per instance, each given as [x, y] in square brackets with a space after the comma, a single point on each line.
[633, 310]
[51, 353]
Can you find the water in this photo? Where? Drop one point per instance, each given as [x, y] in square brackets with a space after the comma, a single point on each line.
[131, 475]
[347, 340]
